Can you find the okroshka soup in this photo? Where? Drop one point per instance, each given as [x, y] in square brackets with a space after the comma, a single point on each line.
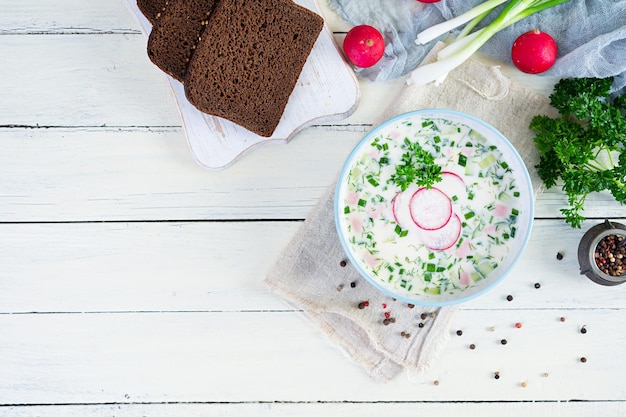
[445, 242]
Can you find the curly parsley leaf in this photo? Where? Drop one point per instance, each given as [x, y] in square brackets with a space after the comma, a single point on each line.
[584, 149]
[417, 166]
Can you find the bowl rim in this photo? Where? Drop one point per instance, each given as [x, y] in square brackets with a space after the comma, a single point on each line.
[421, 113]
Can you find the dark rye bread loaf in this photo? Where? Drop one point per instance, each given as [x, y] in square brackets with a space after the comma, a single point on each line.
[249, 59]
[152, 9]
[175, 35]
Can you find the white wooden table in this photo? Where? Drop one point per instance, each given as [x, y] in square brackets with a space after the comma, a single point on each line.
[131, 278]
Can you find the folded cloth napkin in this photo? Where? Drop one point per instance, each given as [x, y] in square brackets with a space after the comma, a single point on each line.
[590, 34]
[383, 335]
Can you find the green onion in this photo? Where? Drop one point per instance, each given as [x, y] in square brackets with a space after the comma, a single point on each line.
[400, 232]
[372, 180]
[435, 31]
[467, 44]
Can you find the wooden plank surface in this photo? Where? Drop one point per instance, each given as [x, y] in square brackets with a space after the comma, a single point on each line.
[131, 278]
[92, 174]
[197, 266]
[339, 408]
[279, 356]
[101, 331]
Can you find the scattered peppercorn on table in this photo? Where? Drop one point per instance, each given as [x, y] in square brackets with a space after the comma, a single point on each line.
[131, 279]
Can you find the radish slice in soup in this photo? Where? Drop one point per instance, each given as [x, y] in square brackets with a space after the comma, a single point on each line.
[453, 185]
[430, 208]
[444, 237]
[400, 207]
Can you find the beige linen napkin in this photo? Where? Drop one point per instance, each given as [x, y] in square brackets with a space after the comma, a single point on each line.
[383, 335]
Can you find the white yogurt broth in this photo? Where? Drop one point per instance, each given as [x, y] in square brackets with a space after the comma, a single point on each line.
[434, 241]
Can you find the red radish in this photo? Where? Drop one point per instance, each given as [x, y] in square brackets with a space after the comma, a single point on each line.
[400, 207]
[395, 204]
[534, 52]
[445, 237]
[430, 208]
[453, 185]
[364, 46]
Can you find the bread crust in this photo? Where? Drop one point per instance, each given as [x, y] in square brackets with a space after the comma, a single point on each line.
[152, 9]
[175, 35]
[249, 59]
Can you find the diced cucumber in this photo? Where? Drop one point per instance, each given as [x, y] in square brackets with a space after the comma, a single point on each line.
[476, 276]
[487, 161]
[504, 197]
[471, 169]
[432, 290]
[484, 268]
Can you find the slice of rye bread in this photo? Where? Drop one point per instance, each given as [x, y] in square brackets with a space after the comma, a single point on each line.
[248, 61]
[152, 9]
[175, 34]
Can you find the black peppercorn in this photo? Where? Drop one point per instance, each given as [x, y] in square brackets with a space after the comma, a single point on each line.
[537, 285]
[559, 256]
[420, 325]
[503, 341]
[459, 332]
[509, 297]
[583, 330]
[472, 346]
[583, 359]
[353, 284]
[343, 263]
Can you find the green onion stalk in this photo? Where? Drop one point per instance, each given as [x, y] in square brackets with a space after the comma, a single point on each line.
[467, 43]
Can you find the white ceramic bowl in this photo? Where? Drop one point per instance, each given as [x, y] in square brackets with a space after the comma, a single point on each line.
[442, 244]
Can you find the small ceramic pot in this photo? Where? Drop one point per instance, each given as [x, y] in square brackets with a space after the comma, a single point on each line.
[588, 247]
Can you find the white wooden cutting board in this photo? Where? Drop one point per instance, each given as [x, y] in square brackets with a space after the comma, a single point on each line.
[326, 90]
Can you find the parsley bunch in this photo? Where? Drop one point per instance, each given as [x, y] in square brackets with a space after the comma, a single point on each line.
[585, 146]
[417, 166]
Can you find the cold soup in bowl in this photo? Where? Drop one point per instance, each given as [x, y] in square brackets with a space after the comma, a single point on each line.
[434, 207]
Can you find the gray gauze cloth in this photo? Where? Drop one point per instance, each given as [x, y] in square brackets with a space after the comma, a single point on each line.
[590, 34]
[387, 336]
